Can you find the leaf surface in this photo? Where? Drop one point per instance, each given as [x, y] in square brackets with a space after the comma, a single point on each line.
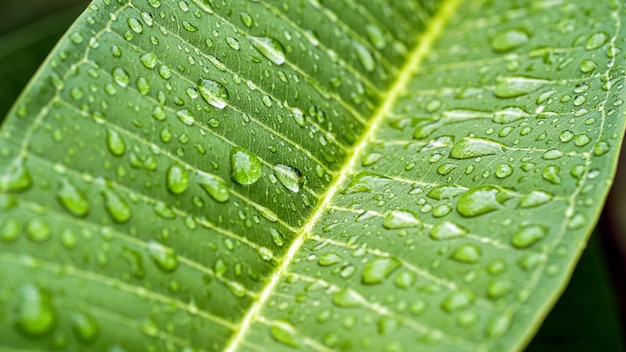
[257, 175]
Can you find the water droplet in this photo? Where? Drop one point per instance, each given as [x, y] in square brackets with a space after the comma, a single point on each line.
[247, 20]
[329, 258]
[401, 219]
[347, 298]
[17, 178]
[566, 136]
[474, 147]
[115, 142]
[458, 300]
[9, 229]
[481, 200]
[504, 170]
[233, 43]
[551, 173]
[498, 289]
[528, 236]
[509, 114]
[84, 327]
[284, 333]
[246, 167]
[447, 191]
[447, 230]
[162, 256]
[121, 77]
[135, 25]
[266, 254]
[377, 270]
[498, 325]
[214, 186]
[509, 40]
[269, 47]
[441, 210]
[177, 179]
[552, 154]
[74, 201]
[289, 176]
[534, 199]
[467, 253]
[511, 87]
[365, 182]
[596, 40]
[587, 66]
[190, 27]
[214, 93]
[375, 35]
[601, 148]
[149, 60]
[36, 317]
[365, 57]
[116, 206]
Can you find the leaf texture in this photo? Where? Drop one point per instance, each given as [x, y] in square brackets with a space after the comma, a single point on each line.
[313, 175]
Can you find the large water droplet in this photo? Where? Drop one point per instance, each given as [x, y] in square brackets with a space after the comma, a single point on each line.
[447, 230]
[509, 40]
[534, 199]
[36, 317]
[596, 40]
[162, 256]
[115, 142]
[511, 87]
[289, 176]
[458, 300]
[38, 230]
[551, 173]
[481, 200]
[17, 178]
[214, 186]
[498, 289]
[509, 114]
[443, 192]
[284, 333]
[401, 219]
[116, 206]
[84, 327]
[177, 179]
[378, 269]
[474, 147]
[347, 298]
[528, 236]
[73, 200]
[467, 253]
[121, 77]
[271, 48]
[365, 57]
[365, 182]
[214, 93]
[246, 167]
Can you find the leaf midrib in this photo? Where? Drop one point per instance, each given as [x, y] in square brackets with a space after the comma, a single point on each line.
[412, 64]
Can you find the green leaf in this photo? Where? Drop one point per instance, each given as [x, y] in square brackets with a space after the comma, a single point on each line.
[247, 175]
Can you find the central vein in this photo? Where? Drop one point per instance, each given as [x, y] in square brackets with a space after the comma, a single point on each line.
[414, 60]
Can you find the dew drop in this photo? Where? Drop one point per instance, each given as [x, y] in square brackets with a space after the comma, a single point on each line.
[329, 259]
[375, 36]
[115, 142]
[446, 191]
[447, 230]
[233, 43]
[135, 25]
[458, 300]
[162, 256]
[214, 186]
[246, 167]
[401, 219]
[149, 60]
[38, 230]
[284, 333]
[480, 200]
[214, 93]
[509, 40]
[289, 176]
[509, 114]
[17, 178]
[498, 289]
[365, 57]
[596, 40]
[528, 236]
[84, 327]
[504, 170]
[36, 317]
[121, 77]
[177, 179]
[511, 87]
[73, 200]
[474, 147]
[377, 270]
[116, 206]
[551, 174]
[347, 298]
[247, 20]
[534, 199]
[269, 47]
[365, 182]
[467, 253]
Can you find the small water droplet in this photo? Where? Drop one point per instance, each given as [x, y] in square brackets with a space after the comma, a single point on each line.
[511, 87]
[214, 93]
[347, 298]
[551, 173]
[375, 35]
[329, 259]
[84, 327]
[458, 300]
[534, 199]
[269, 47]
[284, 333]
[365, 57]
[498, 289]
[247, 20]
[17, 178]
[446, 191]
[214, 186]
[377, 270]
[233, 43]
[177, 179]
[246, 167]
[121, 77]
[116, 206]
[135, 25]
[509, 114]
